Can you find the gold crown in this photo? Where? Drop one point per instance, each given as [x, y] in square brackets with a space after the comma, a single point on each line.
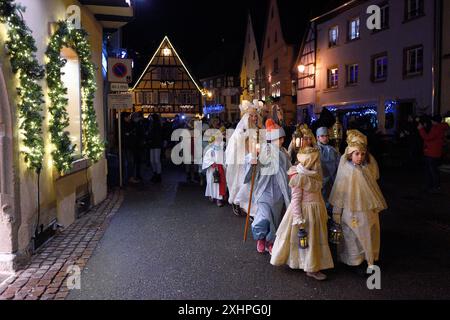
[356, 140]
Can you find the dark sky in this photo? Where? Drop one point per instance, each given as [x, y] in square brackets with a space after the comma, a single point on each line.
[197, 28]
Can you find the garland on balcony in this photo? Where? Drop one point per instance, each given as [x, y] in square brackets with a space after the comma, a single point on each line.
[93, 147]
[21, 49]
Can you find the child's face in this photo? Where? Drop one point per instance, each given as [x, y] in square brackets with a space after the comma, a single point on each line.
[358, 157]
[324, 139]
[307, 142]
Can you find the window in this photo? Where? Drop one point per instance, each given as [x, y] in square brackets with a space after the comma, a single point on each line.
[353, 29]
[333, 36]
[276, 90]
[275, 66]
[333, 77]
[230, 82]
[164, 97]
[414, 9]
[413, 61]
[352, 74]
[380, 67]
[71, 79]
[211, 84]
[384, 16]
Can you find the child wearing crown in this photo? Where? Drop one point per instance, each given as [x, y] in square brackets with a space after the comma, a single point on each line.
[213, 163]
[357, 201]
[306, 212]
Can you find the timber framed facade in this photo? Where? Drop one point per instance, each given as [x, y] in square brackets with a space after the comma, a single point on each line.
[166, 86]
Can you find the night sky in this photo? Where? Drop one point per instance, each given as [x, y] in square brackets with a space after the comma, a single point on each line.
[199, 29]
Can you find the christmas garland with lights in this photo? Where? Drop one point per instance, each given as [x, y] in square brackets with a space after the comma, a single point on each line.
[21, 49]
[93, 147]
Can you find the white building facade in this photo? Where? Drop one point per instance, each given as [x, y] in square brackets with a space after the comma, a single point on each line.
[379, 75]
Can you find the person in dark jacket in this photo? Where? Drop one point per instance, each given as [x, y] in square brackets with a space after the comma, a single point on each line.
[433, 150]
[137, 142]
[156, 144]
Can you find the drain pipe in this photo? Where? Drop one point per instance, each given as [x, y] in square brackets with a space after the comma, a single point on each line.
[437, 50]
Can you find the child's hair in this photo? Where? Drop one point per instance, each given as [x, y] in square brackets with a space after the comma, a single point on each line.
[366, 157]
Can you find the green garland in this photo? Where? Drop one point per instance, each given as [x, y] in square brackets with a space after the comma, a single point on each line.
[93, 147]
[21, 49]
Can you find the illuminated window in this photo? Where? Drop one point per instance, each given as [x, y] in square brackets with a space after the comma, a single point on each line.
[276, 90]
[333, 36]
[71, 79]
[353, 29]
[352, 74]
[333, 78]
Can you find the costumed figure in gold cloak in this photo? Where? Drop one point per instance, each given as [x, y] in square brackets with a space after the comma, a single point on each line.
[357, 201]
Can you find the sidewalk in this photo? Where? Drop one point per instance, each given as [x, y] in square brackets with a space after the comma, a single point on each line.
[45, 277]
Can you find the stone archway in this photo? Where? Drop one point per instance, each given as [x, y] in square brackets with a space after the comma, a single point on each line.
[8, 217]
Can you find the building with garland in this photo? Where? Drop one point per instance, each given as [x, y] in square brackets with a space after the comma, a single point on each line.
[52, 131]
[374, 78]
[166, 86]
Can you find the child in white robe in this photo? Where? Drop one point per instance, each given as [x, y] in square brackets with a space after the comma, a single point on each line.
[213, 163]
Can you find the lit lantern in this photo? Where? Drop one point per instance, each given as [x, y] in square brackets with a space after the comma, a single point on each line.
[338, 132]
[216, 175]
[298, 138]
[335, 233]
[302, 239]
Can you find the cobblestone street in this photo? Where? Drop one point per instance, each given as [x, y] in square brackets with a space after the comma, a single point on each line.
[45, 277]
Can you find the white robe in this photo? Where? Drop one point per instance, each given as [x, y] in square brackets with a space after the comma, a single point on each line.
[358, 197]
[213, 154]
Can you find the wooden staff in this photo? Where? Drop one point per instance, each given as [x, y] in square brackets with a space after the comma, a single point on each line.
[250, 202]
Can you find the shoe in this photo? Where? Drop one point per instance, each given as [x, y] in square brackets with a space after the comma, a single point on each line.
[269, 247]
[317, 275]
[219, 203]
[211, 199]
[261, 246]
[236, 210]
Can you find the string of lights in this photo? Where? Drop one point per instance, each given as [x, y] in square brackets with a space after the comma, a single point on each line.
[21, 49]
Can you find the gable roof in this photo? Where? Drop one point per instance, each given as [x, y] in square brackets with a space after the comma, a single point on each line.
[165, 42]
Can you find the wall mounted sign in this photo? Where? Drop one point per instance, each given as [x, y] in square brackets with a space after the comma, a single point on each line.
[119, 70]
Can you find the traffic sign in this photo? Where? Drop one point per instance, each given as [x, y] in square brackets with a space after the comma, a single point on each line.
[119, 70]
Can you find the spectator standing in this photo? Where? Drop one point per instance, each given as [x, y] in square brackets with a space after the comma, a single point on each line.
[433, 151]
[156, 145]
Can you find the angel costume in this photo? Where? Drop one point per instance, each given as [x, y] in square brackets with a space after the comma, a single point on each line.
[307, 209]
[357, 201]
[271, 190]
[236, 156]
[213, 163]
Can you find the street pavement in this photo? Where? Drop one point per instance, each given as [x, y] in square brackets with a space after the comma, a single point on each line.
[168, 242]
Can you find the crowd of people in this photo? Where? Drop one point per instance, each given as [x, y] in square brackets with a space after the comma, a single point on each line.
[298, 197]
[296, 194]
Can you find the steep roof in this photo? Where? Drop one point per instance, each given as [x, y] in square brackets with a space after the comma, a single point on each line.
[155, 60]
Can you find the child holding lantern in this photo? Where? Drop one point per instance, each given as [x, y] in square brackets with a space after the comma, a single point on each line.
[302, 240]
[213, 163]
[357, 201]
